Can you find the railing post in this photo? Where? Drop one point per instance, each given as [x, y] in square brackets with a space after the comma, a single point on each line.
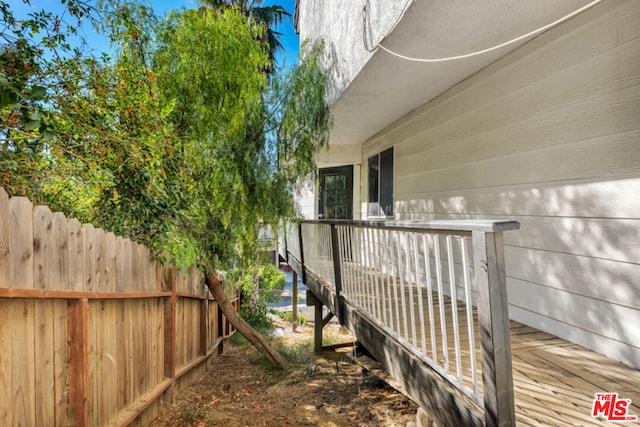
[303, 273]
[337, 271]
[493, 320]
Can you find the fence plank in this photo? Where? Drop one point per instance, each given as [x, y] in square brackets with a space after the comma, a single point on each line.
[42, 240]
[44, 363]
[93, 392]
[6, 360]
[23, 374]
[89, 255]
[60, 252]
[5, 240]
[21, 246]
[107, 378]
[110, 263]
[61, 362]
[99, 244]
[76, 260]
[121, 334]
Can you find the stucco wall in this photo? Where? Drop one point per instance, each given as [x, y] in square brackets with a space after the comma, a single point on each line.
[549, 136]
[334, 22]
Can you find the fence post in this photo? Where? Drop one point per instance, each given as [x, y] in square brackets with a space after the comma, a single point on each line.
[78, 328]
[337, 271]
[493, 321]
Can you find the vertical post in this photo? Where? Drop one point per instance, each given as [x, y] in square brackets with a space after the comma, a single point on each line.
[78, 321]
[294, 302]
[170, 328]
[304, 273]
[493, 320]
[317, 326]
[337, 272]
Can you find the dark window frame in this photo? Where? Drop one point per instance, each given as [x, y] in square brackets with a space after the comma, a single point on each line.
[380, 178]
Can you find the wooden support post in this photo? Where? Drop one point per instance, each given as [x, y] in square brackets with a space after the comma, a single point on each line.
[317, 327]
[493, 320]
[78, 327]
[294, 302]
[170, 328]
[337, 272]
[302, 271]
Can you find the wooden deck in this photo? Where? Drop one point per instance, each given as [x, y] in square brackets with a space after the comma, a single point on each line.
[555, 381]
[389, 283]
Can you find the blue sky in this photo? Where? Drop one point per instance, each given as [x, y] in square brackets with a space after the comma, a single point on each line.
[97, 43]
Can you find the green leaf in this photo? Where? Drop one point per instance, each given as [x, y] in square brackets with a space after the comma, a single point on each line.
[35, 115]
[38, 93]
[32, 125]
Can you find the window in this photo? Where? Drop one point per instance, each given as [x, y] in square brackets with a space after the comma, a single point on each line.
[381, 184]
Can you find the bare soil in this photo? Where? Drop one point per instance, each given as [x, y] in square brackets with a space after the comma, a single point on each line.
[242, 389]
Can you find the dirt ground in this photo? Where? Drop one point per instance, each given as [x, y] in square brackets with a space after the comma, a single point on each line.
[242, 389]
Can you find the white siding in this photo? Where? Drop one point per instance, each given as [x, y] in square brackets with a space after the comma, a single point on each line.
[549, 136]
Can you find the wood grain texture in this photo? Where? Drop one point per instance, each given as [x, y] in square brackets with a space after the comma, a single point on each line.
[60, 252]
[5, 239]
[76, 255]
[21, 242]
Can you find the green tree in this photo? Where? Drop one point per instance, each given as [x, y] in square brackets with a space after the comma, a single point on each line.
[172, 142]
[268, 17]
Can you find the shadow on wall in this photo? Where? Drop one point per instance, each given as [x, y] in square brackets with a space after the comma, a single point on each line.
[573, 266]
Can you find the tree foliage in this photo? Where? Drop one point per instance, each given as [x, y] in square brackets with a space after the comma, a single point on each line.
[180, 141]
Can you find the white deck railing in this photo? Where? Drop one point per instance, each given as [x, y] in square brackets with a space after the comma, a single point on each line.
[438, 287]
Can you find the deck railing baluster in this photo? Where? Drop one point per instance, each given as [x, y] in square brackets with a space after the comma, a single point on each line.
[419, 284]
[381, 276]
[441, 306]
[429, 281]
[410, 281]
[454, 307]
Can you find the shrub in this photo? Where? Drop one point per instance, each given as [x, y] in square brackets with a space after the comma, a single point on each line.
[258, 291]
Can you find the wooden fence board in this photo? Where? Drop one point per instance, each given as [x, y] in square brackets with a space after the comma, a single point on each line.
[121, 334]
[5, 227]
[23, 375]
[61, 362]
[44, 362]
[109, 371]
[93, 392]
[129, 343]
[60, 253]
[89, 256]
[99, 242]
[42, 224]
[110, 263]
[6, 361]
[21, 242]
[76, 260]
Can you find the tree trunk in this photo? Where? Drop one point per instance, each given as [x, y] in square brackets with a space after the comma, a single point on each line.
[262, 345]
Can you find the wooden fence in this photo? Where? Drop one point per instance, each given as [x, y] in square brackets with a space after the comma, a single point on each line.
[92, 331]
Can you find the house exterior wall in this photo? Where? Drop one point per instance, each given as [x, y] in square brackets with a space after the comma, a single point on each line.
[333, 22]
[548, 136]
